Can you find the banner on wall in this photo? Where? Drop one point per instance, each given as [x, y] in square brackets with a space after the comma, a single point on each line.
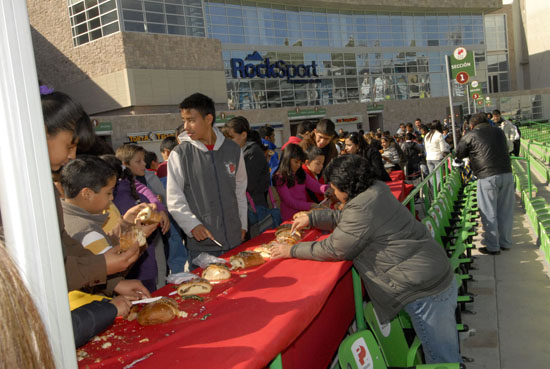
[150, 136]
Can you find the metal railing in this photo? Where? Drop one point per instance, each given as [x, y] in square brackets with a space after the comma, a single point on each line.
[426, 189]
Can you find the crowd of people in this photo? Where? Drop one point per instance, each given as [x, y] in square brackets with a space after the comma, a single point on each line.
[215, 188]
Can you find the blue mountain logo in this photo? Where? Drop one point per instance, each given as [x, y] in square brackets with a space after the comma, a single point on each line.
[254, 56]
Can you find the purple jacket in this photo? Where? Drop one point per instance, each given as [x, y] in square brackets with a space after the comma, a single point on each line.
[146, 266]
[294, 199]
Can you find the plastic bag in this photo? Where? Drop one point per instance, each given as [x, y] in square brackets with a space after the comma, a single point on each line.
[204, 260]
[179, 278]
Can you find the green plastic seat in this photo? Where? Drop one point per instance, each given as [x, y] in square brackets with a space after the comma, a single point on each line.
[361, 351]
[392, 341]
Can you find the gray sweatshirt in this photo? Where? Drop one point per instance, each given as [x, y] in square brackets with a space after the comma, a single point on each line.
[208, 188]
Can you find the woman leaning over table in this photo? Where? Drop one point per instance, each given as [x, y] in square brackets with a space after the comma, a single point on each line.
[400, 264]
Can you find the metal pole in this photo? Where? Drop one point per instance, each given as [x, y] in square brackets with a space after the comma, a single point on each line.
[455, 143]
[528, 156]
[468, 97]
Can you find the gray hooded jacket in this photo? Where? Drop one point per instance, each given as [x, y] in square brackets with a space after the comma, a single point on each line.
[398, 260]
[208, 188]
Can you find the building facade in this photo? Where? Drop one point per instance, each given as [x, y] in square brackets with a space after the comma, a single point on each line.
[363, 63]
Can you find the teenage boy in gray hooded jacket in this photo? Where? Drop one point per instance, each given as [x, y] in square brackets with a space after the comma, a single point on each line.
[206, 186]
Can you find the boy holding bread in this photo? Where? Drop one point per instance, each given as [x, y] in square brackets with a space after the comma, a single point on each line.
[88, 184]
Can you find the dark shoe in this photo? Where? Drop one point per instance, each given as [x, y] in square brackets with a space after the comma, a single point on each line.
[486, 251]
[504, 248]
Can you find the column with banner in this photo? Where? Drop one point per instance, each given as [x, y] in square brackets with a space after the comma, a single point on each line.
[461, 67]
[476, 94]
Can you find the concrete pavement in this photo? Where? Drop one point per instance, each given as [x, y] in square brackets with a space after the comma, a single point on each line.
[512, 303]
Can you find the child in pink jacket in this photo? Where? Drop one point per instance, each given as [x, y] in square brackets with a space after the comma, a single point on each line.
[291, 182]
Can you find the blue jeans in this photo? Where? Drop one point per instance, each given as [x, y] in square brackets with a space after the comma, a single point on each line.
[177, 252]
[434, 322]
[495, 198]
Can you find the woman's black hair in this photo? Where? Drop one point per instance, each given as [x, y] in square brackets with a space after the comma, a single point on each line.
[351, 174]
[238, 124]
[254, 136]
[359, 141]
[61, 113]
[179, 130]
[434, 126]
[122, 173]
[284, 174]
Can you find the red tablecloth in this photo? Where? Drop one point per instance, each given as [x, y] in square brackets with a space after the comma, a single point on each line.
[397, 175]
[299, 308]
[290, 306]
[400, 189]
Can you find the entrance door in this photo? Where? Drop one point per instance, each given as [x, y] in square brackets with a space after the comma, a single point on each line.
[375, 121]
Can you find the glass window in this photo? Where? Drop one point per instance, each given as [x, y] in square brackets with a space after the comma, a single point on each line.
[132, 4]
[155, 17]
[111, 28]
[133, 26]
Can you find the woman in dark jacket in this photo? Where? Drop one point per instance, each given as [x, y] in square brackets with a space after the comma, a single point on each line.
[400, 264]
[356, 144]
[257, 167]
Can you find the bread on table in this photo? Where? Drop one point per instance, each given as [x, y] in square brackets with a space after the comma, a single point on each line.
[160, 311]
[216, 272]
[194, 287]
[246, 259]
[284, 236]
[264, 251]
[148, 216]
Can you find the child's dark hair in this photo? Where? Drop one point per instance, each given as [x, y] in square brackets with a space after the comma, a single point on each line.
[168, 143]
[150, 157]
[122, 173]
[312, 152]
[126, 152]
[201, 103]
[284, 174]
[266, 131]
[351, 174]
[61, 113]
[409, 136]
[85, 171]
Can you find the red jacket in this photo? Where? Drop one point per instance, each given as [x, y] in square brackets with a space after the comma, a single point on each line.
[292, 140]
[311, 196]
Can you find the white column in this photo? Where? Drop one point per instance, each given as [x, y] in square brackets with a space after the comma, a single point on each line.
[26, 192]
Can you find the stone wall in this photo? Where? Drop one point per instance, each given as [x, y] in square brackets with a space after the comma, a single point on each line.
[58, 62]
[151, 51]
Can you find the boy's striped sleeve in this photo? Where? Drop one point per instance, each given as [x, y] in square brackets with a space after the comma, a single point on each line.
[96, 242]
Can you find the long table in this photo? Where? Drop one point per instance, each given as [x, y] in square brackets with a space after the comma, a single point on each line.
[282, 306]
[299, 308]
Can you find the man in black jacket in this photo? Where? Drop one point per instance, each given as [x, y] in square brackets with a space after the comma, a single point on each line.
[487, 149]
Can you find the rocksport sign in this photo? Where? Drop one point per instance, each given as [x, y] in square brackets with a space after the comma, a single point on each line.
[264, 68]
